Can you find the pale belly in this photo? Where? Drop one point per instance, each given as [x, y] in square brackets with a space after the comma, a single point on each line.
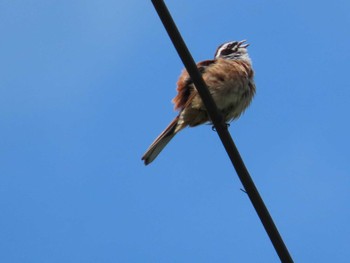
[233, 98]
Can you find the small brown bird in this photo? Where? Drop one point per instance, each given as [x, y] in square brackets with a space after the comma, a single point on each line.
[229, 77]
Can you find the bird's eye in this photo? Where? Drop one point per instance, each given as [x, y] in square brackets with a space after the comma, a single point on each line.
[232, 45]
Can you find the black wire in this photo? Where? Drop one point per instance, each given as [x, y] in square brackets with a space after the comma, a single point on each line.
[222, 131]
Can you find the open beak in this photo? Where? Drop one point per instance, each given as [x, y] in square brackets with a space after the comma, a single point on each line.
[243, 44]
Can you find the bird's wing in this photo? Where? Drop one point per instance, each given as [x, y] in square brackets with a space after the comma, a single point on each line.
[185, 87]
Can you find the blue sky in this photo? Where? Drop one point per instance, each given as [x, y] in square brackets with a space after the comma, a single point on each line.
[86, 86]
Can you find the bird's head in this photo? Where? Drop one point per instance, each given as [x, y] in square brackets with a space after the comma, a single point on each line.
[232, 50]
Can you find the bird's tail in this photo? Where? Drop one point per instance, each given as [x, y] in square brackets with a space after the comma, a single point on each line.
[161, 141]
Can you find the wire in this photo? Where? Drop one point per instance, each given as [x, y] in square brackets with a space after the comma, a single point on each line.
[222, 131]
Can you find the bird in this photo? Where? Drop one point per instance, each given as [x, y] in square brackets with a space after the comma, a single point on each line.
[230, 80]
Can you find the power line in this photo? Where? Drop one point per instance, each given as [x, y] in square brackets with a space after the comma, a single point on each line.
[221, 128]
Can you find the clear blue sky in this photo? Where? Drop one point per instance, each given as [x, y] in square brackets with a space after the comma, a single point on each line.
[85, 87]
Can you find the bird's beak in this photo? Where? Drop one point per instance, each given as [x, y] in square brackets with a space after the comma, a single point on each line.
[240, 44]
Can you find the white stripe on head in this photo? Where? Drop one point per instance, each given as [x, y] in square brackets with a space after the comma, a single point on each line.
[220, 49]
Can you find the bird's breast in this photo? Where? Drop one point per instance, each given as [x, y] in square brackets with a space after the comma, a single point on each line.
[231, 85]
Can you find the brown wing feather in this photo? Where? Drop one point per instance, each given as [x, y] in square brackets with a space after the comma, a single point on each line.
[185, 85]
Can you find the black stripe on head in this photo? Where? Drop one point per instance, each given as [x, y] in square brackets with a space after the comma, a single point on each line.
[226, 49]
